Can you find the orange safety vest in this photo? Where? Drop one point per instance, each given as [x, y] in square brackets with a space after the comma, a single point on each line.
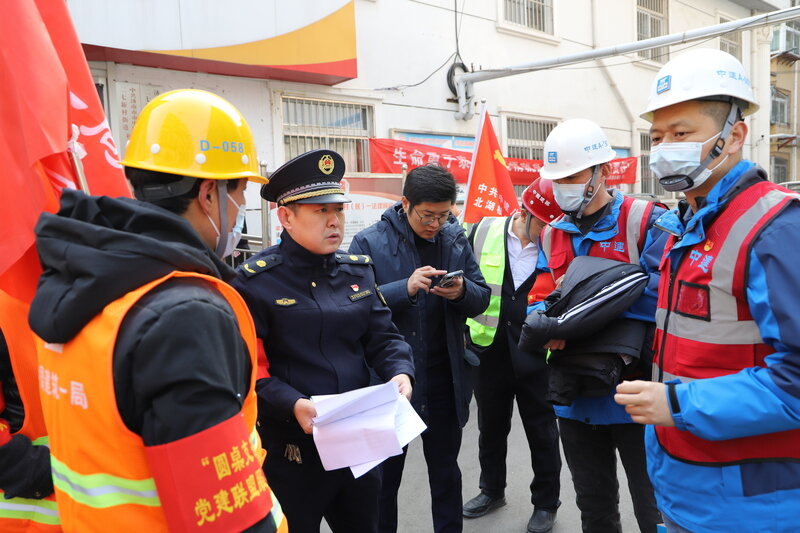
[18, 515]
[100, 470]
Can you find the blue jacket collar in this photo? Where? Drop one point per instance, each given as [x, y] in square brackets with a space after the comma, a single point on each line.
[603, 229]
[682, 222]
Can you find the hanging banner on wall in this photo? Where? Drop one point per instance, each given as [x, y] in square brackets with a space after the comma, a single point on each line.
[389, 156]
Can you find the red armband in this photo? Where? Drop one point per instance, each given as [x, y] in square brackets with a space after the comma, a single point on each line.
[261, 358]
[211, 481]
[542, 287]
[5, 432]
[5, 429]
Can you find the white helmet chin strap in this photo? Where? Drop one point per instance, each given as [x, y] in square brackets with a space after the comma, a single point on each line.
[684, 182]
[589, 192]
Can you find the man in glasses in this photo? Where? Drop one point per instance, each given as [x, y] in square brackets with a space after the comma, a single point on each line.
[416, 242]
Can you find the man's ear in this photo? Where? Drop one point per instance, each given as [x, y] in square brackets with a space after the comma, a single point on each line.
[406, 204]
[736, 138]
[285, 217]
[207, 195]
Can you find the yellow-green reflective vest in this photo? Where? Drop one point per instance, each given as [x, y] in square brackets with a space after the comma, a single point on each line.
[490, 248]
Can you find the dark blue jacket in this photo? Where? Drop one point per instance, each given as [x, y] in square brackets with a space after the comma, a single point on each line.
[390, 243]
[322, 324]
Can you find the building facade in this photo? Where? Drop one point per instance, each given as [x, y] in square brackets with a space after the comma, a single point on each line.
[334, 73]
[785, 83]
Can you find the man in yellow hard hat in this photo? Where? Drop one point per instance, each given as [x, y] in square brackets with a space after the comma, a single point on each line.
[147, 363]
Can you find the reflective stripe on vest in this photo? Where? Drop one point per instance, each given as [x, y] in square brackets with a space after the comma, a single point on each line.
[490, 247]
[631, 223]
[704, 325]
[109, 485]
[39, 511]
[103, 490]
[25, 514]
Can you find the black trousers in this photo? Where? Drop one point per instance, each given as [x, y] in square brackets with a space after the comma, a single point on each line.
[441, 443]
[590, 451]
[307, 493]
[497, 383]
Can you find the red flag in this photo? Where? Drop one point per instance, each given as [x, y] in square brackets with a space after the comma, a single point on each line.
[490, 192]
[48, 105]
[622, 171]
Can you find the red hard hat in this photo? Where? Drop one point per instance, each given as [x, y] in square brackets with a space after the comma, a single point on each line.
[538, 200]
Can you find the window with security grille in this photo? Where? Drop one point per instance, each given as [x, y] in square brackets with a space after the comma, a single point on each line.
[650, 184]
[526, 137]
[731, 42]
[779, 112]
[533, 14]
[344, 127]
[651, 21]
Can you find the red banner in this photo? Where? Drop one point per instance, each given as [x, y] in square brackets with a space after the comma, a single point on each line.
[622, 171]
[489, 191]
[50, 106]
[387, 156]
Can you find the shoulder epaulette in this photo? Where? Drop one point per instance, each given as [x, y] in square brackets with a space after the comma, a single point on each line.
[352, 259]
[257, 265]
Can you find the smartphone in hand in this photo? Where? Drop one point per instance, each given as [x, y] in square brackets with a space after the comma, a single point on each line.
[449, 278]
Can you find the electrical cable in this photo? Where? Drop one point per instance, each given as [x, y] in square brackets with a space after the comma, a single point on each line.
[455, 55]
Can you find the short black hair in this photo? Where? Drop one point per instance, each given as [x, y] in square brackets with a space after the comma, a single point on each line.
[718, 110]
[430, 183]
[139, 178]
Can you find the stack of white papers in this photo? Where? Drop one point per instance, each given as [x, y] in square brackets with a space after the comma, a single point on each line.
[363, 427]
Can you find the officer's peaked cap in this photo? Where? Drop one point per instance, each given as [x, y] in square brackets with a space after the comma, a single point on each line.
[310, 178]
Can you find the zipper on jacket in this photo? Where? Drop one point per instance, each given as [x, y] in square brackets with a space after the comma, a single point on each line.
[666, 322]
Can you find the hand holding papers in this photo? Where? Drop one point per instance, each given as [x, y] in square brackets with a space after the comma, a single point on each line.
[363, 427]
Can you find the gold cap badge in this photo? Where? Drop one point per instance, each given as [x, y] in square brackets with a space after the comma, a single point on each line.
[326, 164]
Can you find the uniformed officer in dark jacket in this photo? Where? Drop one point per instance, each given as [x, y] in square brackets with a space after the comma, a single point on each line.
[322, 323]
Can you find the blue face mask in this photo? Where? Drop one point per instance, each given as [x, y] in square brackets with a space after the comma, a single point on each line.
[669, 161]
[235, 234]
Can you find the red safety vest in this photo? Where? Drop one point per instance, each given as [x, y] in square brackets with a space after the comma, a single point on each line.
[704, 325]
[625, 246]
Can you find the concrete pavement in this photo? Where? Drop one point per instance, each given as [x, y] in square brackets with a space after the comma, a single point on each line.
[414, 497]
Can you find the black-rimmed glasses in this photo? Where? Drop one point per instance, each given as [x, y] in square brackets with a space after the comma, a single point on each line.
[427, 220]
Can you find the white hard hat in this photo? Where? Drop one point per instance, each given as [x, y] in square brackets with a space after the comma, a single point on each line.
[572, 146]
[701, 74]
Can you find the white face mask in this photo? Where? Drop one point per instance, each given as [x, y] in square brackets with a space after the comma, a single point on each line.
[680, 159]
[569, 195]
[235, 235]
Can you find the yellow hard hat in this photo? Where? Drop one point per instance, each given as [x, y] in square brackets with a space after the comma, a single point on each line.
[196, 134]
